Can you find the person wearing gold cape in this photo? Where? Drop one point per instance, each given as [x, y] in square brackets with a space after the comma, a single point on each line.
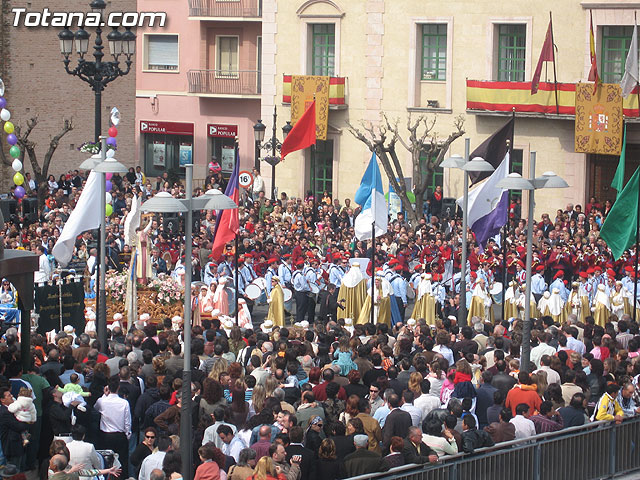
[425, 306]
[381, 306]
[480, 303]
[601, 306]
[584, 289]
[353, 291]
[619, 302]
[556, 307]
[521, 305]
[276, 303]
[543, 305]
[574, 303]
[510, 301]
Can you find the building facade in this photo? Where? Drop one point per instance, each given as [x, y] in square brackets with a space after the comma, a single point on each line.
[38, 86]
[406, 57]
[198, 86]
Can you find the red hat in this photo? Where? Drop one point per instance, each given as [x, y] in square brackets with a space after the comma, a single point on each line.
[299, 262]
[558, 274]
[584, 275]
[398, 268]
[337, 256]
[473, 275]
[611, 273]
[417, 267]
[521, 263]
[597, 268]
[241, 258]
[590, 270]
[248, 255]
[272, 261]
[539, 268]
[393, 261]
[628, 268]
[287, 255]
[310, 255]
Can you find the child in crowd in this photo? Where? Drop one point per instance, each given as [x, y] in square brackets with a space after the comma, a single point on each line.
[73, 392]
[24, 410]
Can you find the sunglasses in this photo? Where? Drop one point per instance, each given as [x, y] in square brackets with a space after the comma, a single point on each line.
[150, 436]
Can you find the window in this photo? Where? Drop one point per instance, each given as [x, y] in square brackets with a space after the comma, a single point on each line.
[434, 51]
[435, 178]
[511, 52]
[227, 58]
[323, 53]
[615, 46]
[162, 52]
[322, 168]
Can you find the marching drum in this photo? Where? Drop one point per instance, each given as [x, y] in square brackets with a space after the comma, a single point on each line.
[253, 292]
[261, 283]
[288, 294]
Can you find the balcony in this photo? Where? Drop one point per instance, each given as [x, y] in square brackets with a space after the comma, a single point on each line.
[224, 83]
[225, 10]
[502, 98]
[337, 92]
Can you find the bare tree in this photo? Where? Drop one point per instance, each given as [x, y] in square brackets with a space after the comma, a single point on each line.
[426, 147]
[40, 172]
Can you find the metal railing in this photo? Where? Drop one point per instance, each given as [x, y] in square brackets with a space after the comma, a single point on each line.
[224, 82]
[225, 8]
[593, 451]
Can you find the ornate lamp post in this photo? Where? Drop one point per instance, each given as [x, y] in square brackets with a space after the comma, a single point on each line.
[272, 144]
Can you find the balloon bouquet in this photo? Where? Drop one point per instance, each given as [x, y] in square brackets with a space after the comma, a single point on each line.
[14, 151]
[112, 144]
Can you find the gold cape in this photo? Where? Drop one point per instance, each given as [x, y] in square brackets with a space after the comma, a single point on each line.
[276, 306]
[601, 314]
[425, 308]
[476, 309]
[384, 311]
[510, 309]
[354, 298]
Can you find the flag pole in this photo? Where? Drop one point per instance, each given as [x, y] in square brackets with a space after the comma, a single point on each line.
[635, 271]
[635, 22]
[237, 242]
[555, 76]
[506, 225]
[373, 268]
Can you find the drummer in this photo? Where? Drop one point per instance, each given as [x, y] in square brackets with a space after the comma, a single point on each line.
[270, 273]
[312, 275]
[337, 271]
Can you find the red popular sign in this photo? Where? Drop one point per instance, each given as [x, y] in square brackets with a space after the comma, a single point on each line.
[166, 128]
[224, 131]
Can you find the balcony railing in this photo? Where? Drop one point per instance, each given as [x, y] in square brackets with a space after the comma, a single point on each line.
[224, 82]
[225, 8]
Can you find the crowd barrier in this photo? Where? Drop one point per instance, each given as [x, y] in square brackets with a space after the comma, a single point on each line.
[594, 451]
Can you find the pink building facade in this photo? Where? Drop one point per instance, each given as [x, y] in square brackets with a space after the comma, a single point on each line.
[198, 86]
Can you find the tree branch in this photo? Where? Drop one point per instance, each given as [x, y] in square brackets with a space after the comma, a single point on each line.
[55, 141]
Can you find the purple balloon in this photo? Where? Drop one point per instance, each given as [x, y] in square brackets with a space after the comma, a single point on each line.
[12, 139]
[112, 141]
[19, 192]
[109, 186]
[3, 102]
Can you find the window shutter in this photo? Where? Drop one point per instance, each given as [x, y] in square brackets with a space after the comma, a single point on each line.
[163, 52]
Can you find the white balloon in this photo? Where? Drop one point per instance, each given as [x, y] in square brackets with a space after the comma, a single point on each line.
[110, 153]
[16, 165]
[1, 88]
[107, 197]
[115, 116]
[5, 114]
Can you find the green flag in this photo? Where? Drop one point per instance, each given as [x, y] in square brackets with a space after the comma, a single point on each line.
[619, 229]
[618, 178]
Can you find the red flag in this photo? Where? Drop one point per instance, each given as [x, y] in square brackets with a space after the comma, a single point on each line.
[303, 133]
[546, 55]
[593, 73]
[228, 223]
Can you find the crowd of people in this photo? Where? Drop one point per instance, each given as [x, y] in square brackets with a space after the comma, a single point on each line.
[316, 389]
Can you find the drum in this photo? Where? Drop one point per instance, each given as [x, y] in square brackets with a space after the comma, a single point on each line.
[260, 282]
[253, 291]
[496, 292]
[288, 294]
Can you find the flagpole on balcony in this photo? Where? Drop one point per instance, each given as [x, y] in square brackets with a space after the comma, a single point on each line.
[555, 76]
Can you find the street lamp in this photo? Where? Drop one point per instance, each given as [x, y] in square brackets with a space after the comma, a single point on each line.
[97, 74]
[163, 202]
[272, 144]
[515, 182]
[478, 164]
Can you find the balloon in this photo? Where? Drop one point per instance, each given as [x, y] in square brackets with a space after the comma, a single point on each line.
[1, 88]
[3, 102]
[115, 116]
[108, 186]
[110, 141]
[12, 139]
[5, 114]
[107, 197]
[108, 175]
[18, 179]
[14, 151]
[18, 192]
[111, 153]
[8, 127]
[113, 132]
[109, 210]
[16, 165]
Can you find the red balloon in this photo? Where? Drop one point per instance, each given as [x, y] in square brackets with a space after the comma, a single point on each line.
[113, 132]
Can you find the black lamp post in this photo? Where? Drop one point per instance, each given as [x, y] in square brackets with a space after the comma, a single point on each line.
[98, 74]
[272, 144]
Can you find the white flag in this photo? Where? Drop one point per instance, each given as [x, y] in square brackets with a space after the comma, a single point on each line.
[86, 216]
[631, 76]
[132, 222]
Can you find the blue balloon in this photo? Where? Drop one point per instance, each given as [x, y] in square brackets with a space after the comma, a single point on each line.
[12, 139]
[108, 186]
[3, 102]
[112, 141]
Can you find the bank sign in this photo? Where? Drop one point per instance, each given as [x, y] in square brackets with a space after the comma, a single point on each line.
[224, 131]
[166, 128]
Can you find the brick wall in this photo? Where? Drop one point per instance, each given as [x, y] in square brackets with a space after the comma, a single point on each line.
[37, 84]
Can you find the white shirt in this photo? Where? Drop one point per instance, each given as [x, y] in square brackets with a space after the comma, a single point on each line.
[427, 403]
[232, 449]
[44, 270]
[258, 184]
[211, 434]
[538, 351]
[150, 463]
[552, 375]
[415, 412]
[524, 427]
[115, 414]
[84, 453]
